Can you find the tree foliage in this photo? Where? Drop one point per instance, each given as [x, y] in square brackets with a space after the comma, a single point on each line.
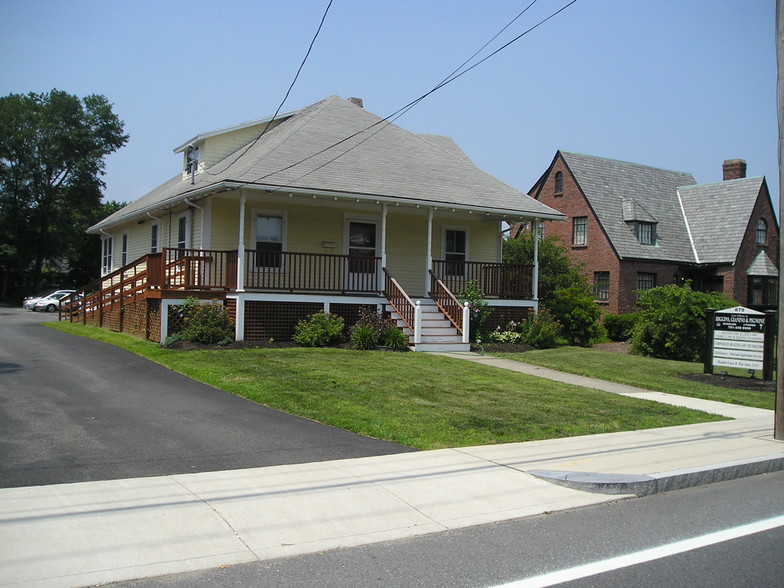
[556, 270]
[52, 150]
[671, 322]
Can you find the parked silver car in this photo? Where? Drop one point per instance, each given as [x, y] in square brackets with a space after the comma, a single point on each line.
[51, 303]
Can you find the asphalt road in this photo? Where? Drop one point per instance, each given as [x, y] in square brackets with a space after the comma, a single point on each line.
[73, 410]
[682, 538]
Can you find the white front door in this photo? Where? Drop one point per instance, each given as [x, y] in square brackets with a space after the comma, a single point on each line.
[361, 245]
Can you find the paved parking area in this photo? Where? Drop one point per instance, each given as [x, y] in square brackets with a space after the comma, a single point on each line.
[77, 410]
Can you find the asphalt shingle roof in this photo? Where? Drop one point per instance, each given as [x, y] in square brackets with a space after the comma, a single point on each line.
[338, 147]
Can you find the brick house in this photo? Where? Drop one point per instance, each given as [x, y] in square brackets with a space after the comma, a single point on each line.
[633, 227]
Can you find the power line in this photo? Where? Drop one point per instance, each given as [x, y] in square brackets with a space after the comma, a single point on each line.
[403, 110]
[277, 111]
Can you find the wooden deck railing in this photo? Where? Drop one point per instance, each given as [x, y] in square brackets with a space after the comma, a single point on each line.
[447, 302]
[496, 280]
[311, 272]
[199, 269]
[399, 300]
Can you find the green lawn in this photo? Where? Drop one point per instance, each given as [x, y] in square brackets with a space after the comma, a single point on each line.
[644, 372]
[420, 400]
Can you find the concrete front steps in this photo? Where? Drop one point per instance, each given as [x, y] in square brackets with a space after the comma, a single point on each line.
[438, 333]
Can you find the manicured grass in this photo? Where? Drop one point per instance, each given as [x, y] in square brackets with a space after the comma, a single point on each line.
[644, 372]
[420, 400]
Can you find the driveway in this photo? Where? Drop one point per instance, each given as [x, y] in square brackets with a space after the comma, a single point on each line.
[74, 410]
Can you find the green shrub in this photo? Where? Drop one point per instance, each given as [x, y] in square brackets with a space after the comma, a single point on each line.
[364, 336]
[619, 326]
[540, 331]
[671, 322]
[511, 334]
[578, 315]
[478, 308]
[394, 338]
[319, 330]
[206, 323]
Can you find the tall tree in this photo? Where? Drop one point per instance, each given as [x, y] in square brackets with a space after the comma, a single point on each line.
[52, 150]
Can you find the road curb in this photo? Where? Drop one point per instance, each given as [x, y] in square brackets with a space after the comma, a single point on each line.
[644, 485]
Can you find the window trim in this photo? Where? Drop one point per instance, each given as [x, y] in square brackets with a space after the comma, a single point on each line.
[107, 247]
[183, 217]
[583, 233]
[155, 231]
[603, 283]
[558, 180]
[761, 235]
[276, 213]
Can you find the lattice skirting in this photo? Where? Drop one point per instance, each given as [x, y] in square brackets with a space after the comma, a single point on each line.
[503, 315]
[266, 320]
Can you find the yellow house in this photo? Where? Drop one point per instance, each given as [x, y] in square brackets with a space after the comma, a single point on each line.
[325, 208]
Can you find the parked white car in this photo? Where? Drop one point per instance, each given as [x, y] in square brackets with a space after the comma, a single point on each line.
[30, 301]
[51, 303]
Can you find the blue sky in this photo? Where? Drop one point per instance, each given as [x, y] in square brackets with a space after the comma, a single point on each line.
[676, 84]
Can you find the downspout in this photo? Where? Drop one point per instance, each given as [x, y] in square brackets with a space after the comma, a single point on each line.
[201, 234]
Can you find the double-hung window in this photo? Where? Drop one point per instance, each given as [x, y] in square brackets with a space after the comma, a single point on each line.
[154, 236]
[580, 230]
[269, 241]
[645, 281]
[124, 249]
[762, 232]
[601, 285]
[106, 255]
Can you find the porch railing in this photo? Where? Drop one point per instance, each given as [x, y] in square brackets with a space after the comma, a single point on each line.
[447, 302]
[197, 269]
[400, 301]
[311, 272]
[496, 280]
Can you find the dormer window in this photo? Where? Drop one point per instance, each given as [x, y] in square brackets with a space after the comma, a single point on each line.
[645, 232]
[192, 159]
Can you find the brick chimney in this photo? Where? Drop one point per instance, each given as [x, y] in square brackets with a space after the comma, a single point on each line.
[734, 169]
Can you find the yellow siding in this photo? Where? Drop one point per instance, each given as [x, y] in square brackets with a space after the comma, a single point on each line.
[407, 252]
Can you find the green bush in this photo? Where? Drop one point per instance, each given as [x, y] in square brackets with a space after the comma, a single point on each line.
[540, 331]
[394, 338]
[364, 336]
[671, 322]
[578, 315]
[478, 308]
[206, 323]
[319, 330]
[511, 334]
[619, 326]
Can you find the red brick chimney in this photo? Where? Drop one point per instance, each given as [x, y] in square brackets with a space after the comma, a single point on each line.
[734, 169]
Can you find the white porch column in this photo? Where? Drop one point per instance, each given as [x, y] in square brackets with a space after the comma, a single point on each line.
[384, 210]
[241, 247]
[239, 324]
[535, 285]
[429, 249]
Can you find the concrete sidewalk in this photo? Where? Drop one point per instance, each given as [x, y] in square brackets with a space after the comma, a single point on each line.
[98, 532]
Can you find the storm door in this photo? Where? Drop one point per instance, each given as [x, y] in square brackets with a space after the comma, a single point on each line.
[361, 263]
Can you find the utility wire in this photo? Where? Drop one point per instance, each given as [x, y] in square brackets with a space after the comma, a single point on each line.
[403, 110]
[294, 81]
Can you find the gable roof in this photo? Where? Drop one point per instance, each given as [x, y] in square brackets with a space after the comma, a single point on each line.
[762, 266]
[336, 147]
[718, 215]
[616, 188]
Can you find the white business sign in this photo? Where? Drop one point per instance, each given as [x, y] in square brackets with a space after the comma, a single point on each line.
[739, 338]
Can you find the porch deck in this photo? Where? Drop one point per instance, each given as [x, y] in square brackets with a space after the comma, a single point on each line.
[214, 274]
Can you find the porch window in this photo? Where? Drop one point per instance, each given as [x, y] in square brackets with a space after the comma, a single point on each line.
[455, 251]
[124, 249]
[106, 255]
[645, 281]
[269, 241]
[601, 285]
[361, 247]
[580, 230]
